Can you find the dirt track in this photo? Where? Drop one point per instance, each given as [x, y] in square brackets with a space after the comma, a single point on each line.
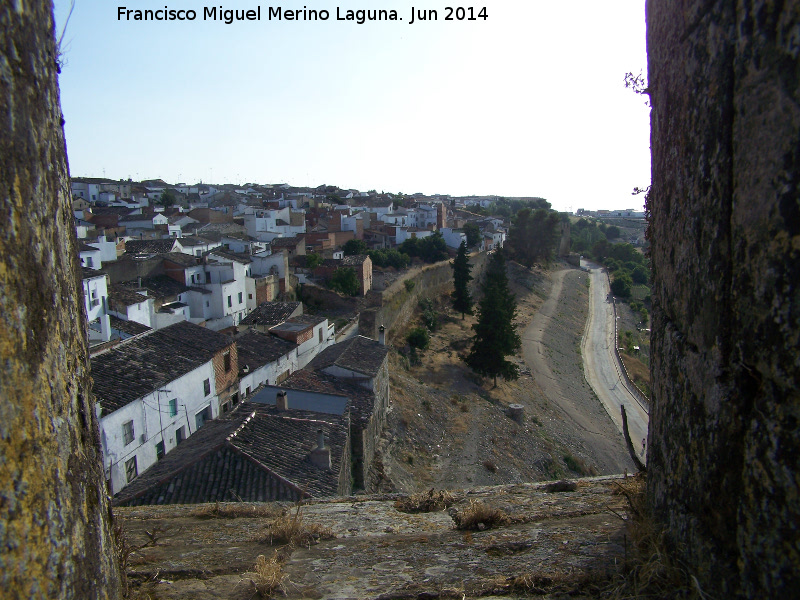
[550, 346]
[449, 429]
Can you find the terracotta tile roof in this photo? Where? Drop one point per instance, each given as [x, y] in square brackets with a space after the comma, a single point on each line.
[129, 327]
[122, 296]
[257, 349]
[308, 319]
[269, 314]
[243, 259]
[254, 455]
[111, 210]
[185, 260]
[160, 286]
[286, 242]
[359, 354]
[354, 259]
[132, 218]
[190, 241]
[149, 246]
[87, 273]
[136, 368]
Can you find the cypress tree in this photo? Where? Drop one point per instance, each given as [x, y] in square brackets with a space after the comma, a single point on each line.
[495, 333]
[462, 301]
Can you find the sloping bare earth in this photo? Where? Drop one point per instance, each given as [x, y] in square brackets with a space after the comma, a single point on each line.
[449, 429]
[551, 347]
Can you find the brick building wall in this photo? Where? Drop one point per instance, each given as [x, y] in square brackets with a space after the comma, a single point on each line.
[226, 373]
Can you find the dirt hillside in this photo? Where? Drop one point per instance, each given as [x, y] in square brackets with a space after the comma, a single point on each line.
[449, 429]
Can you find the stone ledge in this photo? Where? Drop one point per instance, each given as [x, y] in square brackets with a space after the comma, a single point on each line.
[561, 540]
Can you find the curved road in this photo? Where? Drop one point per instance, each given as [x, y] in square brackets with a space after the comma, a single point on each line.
[564, 393]
[600, 364]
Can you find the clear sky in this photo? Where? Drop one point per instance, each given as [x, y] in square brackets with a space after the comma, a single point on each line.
[528, 102]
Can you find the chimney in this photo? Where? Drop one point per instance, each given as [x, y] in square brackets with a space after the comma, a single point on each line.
[382, 335]
[321, 455]
[282, 401]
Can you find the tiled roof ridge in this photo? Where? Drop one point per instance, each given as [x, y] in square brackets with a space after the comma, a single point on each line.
[300, 419]
[238, 429]
[264, 467]
[125, 342]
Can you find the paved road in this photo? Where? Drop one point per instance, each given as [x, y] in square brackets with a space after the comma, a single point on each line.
[601, 366]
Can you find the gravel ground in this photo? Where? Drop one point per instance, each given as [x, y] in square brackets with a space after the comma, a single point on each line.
[449, 429]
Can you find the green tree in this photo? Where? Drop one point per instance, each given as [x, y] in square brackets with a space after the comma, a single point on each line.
[345, 281]
[389, 258]
[352, 247]
[495, 333]
[640, 274]
[533, 235]
[621, 286]
[462, 301]
[431, 249]
[167, 198]
[418, 338]
[612, 232]
[473, 234]
[313, 260]
[600, 250]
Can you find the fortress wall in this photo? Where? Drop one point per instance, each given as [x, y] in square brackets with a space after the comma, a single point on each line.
[55, 539]
[724, 451]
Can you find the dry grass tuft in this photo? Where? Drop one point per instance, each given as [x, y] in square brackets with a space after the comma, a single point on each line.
[651, 571]
[429, 501]
[292, 530]
[235, 510]
[479, 516]
[267, 575]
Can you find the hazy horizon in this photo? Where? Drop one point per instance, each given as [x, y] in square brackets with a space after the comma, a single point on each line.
[529, 102]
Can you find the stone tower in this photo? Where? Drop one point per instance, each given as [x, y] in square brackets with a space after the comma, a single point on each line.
[55, 539]
[724, 452]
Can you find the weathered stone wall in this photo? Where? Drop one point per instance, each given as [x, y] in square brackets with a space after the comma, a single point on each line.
[398, 303]
[55, 540]
[724, 452]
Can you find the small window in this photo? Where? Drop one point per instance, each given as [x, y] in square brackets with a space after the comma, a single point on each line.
[247, 391]
[203, 416]
[131, 471]
[127, 432]
[230, 302]
[240, 297]
[179, 436]
[226, 358]
[249, 296]
[320, 335]
[208, 304]
[226, 407]
[235, 399]
[160, 450]
[206, 387]
[173, 407]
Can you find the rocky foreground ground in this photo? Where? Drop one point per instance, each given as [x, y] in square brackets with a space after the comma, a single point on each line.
[544, 540]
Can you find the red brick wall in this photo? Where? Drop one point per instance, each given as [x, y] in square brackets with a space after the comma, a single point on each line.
[305, 336]
[225, 379]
